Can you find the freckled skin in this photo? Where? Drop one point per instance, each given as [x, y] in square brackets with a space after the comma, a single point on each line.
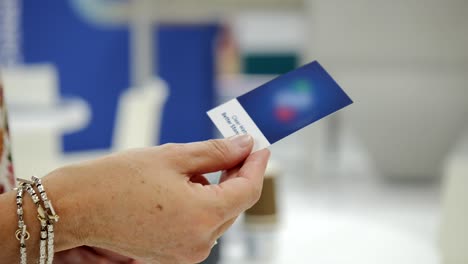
[151, 204]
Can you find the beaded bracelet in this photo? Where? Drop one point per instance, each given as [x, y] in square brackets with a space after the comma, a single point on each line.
[52, 218]
[47, 218]
[42, 219]
[21, 234]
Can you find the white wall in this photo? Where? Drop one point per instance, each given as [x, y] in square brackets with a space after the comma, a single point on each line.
[398, 30]
[405, 64]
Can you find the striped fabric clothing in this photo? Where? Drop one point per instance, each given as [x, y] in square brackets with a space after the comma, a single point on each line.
[7, 179]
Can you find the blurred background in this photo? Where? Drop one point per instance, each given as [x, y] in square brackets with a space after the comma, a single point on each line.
[382, 181]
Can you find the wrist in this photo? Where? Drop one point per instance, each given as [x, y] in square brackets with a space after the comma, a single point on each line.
[64, 190]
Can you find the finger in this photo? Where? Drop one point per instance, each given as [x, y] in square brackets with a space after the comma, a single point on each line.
[223, 228]
[229, 174]
[212, 155]
[241, 190]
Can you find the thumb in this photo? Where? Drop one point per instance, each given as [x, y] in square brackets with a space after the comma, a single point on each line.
[213, 155]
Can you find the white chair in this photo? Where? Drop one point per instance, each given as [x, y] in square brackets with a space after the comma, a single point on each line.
[138, 116]
[137, 122]
[38, 118]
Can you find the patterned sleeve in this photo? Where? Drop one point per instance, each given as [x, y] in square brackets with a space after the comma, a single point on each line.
[7, 179]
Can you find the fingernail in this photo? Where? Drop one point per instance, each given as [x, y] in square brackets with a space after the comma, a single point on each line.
[242, 141]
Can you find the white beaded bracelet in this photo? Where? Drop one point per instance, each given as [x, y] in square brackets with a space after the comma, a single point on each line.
[47, 218]
[21, 234]
[52, 218]
[42, 219]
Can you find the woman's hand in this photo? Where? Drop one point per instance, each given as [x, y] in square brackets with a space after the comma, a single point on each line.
[154, 204]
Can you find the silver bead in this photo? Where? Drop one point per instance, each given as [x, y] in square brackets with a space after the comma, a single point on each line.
[35, 198]
[44, 197]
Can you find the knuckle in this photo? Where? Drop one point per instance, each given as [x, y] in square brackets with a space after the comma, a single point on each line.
[171, 147]
[218, 149]
[172, 153]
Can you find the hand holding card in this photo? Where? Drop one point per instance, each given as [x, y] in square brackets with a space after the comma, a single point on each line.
[282, 106]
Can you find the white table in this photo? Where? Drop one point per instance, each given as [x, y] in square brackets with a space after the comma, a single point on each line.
[36, 133]
[345, 219]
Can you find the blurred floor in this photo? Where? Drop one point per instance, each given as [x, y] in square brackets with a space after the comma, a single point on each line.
[345, 215]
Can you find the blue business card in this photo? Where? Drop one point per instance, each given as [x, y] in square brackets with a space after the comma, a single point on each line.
[282, 106]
